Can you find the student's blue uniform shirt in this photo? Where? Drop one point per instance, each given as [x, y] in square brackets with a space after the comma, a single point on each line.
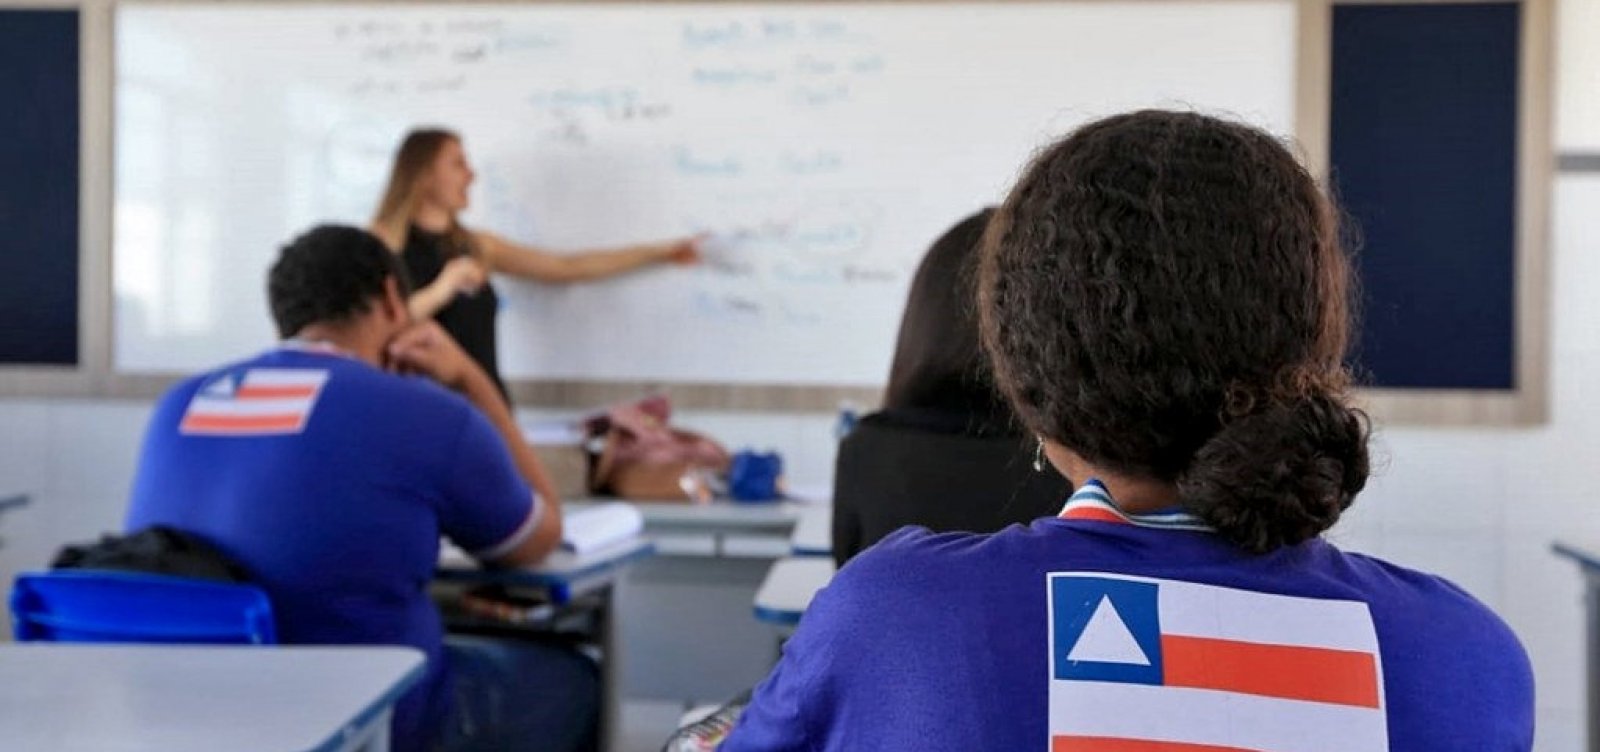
[339, 519]
[977, 642]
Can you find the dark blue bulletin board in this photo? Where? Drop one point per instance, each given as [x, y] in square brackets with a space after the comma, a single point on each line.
[39, 187]
[1423, 151]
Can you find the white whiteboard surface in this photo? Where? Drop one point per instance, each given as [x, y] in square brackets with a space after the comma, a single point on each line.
[824, 147]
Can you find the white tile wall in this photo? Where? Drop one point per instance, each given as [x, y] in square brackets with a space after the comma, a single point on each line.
[1578, 75]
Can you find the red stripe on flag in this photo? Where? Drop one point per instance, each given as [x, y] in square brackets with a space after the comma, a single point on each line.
[1092, 513]
[274, 392]
[194, 422]
[1344, 677]
[1109, 744]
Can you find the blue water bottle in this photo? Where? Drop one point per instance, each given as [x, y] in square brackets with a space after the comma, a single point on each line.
[846, 422]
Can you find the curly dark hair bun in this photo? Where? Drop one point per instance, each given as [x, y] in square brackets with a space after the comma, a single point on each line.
[1281, 475]
[1165, 295]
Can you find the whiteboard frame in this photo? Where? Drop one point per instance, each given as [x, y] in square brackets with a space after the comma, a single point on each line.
[1526, 405]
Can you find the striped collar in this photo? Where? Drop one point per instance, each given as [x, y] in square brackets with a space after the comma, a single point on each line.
[1093, 502]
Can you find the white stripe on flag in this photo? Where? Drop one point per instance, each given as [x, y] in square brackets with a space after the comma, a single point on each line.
[1203, 716]
[285, 377]
[203, 405]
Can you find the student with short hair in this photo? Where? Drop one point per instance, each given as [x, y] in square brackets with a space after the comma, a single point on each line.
[449, 265]
[945, 451]
[330, 477]
[1166, 304]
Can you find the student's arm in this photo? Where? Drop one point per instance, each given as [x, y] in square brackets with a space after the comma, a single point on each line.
[427, 349]
[534, 263]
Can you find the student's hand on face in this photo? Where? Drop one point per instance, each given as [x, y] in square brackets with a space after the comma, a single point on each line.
[464, 274]
[425, 348]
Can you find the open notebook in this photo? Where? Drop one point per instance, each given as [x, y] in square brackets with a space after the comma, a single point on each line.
[599, 526]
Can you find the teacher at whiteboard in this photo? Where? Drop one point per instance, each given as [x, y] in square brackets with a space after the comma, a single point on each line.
[450, 265]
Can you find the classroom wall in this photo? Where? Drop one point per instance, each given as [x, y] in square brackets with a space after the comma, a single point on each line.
[1479, 506]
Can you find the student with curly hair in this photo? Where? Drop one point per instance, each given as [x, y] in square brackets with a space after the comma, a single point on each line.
[1166, 305]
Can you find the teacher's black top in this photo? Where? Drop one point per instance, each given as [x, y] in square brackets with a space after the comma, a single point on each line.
[469, 318]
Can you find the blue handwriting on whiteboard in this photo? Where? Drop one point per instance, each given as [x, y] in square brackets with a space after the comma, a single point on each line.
[820, 96]
[688, 162]
[812, 163]
[601, 98]
[733, 75]
[534, 41]
[867, 64]
[723, 34]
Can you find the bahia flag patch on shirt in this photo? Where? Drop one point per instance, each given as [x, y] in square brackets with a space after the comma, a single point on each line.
[1150, 665]
[260, 402]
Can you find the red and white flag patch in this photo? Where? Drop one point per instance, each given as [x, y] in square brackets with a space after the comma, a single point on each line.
[261, 402]
[1140, 664]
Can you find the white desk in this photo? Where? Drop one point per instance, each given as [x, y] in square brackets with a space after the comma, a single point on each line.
[813, 533]
[564, 574]
[720, 529]
[131, 698]
[789, 588]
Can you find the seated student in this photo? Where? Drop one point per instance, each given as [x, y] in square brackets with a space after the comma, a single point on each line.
[1165, 303]
[330, 479]
[945, 452]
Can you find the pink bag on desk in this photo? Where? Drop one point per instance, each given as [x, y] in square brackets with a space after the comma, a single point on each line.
[645, 459]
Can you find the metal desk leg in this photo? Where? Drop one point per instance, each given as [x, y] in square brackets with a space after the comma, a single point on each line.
[610, 674]
[1591, 598]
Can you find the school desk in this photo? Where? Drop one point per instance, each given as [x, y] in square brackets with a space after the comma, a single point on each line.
[813, 532]
[587, 582]
[789, 588]
[201, 698]
[1588, 559]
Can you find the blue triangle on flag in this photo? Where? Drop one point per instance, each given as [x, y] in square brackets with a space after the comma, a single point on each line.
[1105, 629]
[222, 386]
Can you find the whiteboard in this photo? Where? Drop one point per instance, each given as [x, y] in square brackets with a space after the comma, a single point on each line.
[823, 147]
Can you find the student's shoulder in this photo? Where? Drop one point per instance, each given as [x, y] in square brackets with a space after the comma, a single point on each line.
[1431, 599]
[915, 558]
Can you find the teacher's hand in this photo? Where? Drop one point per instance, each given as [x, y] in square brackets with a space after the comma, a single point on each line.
[464, 274]
[684, 251]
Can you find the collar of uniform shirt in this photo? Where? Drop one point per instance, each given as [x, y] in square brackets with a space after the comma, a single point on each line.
[1093, 502]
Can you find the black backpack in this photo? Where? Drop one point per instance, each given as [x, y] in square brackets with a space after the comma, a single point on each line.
[153, 550]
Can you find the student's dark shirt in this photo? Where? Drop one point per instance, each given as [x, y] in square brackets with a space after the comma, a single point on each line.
[943, 471]
[468, 318]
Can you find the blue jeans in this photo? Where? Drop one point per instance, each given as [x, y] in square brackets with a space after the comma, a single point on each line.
[520, 695]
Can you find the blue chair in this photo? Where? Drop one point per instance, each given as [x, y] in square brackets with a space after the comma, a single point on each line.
[86, 605]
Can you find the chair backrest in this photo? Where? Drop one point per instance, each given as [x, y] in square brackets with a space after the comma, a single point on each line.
[85, 605]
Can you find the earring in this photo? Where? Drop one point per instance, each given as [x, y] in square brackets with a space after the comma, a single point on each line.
[1038, 456]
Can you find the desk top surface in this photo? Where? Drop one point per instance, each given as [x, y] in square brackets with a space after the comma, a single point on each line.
[559, 566]
[1587, 555]
[719, 514]
[790, 586]
[179, 698]
[9, 502]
